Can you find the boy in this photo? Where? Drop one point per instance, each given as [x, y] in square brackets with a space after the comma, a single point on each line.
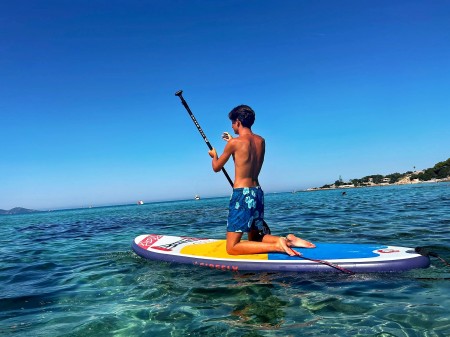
[246, 210]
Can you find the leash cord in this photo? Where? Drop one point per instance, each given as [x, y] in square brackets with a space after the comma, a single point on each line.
[424, 252]
[329, 264]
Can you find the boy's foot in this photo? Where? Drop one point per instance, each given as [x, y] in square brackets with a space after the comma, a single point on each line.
[282, 243]
[293, 241]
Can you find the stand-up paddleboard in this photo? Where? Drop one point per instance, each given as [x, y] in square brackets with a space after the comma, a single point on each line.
[212, 254]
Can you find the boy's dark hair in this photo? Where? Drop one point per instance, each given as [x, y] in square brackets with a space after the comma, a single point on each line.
[244, 114]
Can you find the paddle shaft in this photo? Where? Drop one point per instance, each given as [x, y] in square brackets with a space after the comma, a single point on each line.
[179, 93]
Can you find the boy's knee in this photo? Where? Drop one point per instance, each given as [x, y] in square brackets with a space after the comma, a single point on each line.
[231, 251]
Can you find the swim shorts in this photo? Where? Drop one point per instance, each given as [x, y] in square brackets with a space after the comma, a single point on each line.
[246, 210]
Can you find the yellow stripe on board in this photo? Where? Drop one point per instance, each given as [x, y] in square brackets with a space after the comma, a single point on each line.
[217, 249]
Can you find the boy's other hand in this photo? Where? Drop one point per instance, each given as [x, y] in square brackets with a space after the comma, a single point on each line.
[226, 136]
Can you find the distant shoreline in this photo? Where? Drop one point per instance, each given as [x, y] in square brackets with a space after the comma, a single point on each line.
[349, 186]
[404, 181]
[18, 210]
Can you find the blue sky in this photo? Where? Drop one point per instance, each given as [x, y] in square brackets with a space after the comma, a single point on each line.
[88, 114]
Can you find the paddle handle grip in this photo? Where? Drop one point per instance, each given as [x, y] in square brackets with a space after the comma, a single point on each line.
[179, 93]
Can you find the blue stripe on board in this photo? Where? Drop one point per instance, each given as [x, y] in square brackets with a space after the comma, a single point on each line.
[328, 251]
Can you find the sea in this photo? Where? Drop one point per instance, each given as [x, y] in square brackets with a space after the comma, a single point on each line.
[73, 273]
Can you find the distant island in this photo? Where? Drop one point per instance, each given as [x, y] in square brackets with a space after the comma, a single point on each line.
[438, 173]
[17, 210]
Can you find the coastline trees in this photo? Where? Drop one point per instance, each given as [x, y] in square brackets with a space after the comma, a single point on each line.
[439, 171]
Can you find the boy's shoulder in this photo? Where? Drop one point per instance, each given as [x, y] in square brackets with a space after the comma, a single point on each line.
[259, 137]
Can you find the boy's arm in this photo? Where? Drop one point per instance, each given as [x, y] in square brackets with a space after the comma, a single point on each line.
[219, 162]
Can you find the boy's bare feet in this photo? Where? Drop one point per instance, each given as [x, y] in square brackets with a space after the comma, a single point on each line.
[293, 241]
[282, 244]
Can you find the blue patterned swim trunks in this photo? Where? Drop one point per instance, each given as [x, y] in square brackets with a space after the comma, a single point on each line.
[246, 211]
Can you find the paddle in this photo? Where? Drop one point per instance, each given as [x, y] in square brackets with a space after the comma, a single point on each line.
[179, 93]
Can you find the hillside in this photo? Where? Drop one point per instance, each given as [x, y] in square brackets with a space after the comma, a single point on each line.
[437, 173]
[17, 210]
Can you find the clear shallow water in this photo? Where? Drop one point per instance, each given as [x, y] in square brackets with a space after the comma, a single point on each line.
[72, 273]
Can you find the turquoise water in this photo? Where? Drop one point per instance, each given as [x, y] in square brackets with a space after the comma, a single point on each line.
[72, 273]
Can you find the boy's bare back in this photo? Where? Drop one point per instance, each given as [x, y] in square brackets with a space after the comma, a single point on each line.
[248, 153]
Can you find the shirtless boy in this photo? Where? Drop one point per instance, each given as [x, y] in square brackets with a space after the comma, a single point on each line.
[246, 210]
